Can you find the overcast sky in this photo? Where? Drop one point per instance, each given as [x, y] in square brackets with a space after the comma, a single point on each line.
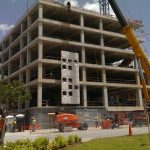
[12, 10]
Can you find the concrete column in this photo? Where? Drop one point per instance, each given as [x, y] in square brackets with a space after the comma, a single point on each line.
[82, 25]
[29, 21]
[9, 68]
[103, 57]
[139, 100]
[105, 96]
[81, 20]
[10, 53]
[40, 50]
[136, 63]
[83, 61]
[21, 60]
[2, 70]
[40, 56]
[28, 56]
[84, 96]
[27, 103]
[105, 91]
[28, 75]
[102, 42]
[101, 24]
[84, 75]
[40, 71]
[83, 54]
[28, 37]
[21, 28]
[19, 101]
[103, 75]
[40, 29]
[21, 43]
[39, 95]
[40, 11]
[137, 77]
[28, 32]
[84, 79]
[39, 88]
[21, 76]
[101, 36]
[84, 87]
[82, 36]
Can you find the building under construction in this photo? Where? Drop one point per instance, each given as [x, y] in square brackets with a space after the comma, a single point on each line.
[72, 59]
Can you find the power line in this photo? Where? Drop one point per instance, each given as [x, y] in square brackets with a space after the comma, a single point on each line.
[126, 9]
[144, 34]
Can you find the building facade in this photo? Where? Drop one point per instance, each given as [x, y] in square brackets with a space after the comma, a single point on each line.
[108, 69]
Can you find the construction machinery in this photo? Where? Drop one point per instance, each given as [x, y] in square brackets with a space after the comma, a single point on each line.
[137, 48]
[63, 121]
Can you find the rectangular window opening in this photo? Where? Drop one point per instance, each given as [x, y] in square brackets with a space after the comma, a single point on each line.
[76, 87]
[70, 93]
[64, 66]
[70, 79]
[64, 79]
[64, 93]
[70, 67]
[64, 60]
[69, 60]
[70, 86]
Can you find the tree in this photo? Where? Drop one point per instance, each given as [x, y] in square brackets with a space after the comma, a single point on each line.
[10, 94]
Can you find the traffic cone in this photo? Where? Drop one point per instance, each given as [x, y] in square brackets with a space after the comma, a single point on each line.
[130, 130]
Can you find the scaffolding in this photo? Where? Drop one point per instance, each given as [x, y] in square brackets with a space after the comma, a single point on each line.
[104, 7]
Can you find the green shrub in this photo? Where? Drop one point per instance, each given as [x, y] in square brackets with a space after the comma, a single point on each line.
[71, 139]
[10, 145]
[19, 144]
[49, 146]
[40, 143]
[24, 143]
[59, 142]
[77, 139]
[55, 145]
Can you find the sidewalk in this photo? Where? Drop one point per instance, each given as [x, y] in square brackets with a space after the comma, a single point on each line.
[86, 135]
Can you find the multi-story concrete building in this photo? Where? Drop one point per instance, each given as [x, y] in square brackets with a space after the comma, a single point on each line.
[108, 72]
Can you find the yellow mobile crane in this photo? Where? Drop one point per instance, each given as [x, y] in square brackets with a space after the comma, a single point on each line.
[137, 48]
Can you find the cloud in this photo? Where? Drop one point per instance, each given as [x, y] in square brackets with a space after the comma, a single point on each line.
[112, 12]
[5, 27]
[94, 6]
[91, 6]
[73, 3]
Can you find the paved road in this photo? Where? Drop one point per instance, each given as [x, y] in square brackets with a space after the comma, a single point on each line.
[89, 134]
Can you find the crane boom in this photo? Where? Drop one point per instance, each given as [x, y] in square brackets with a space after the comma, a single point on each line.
[134, 42]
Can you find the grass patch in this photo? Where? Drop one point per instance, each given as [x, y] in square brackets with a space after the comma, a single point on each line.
[137, 142]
